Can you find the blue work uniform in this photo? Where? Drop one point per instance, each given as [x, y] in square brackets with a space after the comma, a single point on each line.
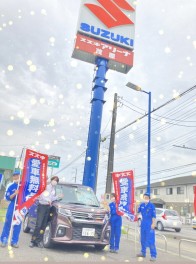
[147, 234]
[9, 215]
[116, 223]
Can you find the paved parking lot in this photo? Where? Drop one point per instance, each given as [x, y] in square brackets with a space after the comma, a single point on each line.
[77, 254]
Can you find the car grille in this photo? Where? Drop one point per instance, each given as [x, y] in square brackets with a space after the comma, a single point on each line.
[77, 232]
[87, 216]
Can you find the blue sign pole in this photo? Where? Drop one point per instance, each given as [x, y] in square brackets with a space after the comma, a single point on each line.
[1, 179]
[149, 141]
[92, 152]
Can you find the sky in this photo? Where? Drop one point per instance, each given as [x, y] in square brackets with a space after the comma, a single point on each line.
[45, 94]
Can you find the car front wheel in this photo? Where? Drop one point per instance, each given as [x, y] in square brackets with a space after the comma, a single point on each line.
[47, 236]
[177, 229]
[160, 226]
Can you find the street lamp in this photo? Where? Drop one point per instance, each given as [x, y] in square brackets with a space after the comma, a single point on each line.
[137, 88]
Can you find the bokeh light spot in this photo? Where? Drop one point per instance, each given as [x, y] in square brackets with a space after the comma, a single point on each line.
[10, 132]
[10, 67]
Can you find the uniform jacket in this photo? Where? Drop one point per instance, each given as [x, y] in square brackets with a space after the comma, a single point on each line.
[11, 190]
[114, 217]
[148, 212]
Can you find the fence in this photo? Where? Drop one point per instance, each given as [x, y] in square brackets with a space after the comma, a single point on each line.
[128, 227]
[180, 242]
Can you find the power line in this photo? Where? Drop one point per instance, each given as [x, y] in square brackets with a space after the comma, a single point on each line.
[164, 177]
[165, 143]
[169, 169]
[158, 108]
[71, 162]
[183, 147]
[160, 129]
[166, 122]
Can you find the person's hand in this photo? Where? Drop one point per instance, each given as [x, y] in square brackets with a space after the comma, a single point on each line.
[16, 192]
[153, 226]
[60, 196]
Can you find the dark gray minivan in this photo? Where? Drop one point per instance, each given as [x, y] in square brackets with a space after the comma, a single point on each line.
[75, 219]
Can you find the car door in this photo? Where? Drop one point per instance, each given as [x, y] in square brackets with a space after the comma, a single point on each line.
[32, 214]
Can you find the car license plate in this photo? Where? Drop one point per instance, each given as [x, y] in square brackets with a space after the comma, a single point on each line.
[88, 232]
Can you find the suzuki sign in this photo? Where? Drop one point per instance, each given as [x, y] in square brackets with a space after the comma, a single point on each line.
[109, 22]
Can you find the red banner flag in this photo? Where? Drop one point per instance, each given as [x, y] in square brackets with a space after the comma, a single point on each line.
[33, 182]
[124, 190]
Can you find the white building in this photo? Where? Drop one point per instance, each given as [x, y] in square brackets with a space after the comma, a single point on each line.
[176, 193]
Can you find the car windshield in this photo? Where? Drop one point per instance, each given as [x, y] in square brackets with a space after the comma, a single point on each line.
[171, 213]
[77, 195]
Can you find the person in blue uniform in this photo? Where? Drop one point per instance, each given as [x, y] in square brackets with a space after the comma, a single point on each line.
[116, 223]
[11, 195]
[147, 233]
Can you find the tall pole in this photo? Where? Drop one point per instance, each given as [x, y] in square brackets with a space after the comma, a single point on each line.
[149, 142]
[92, 152]
[137, 88]
[75, 177]
[111, 148]
[95, 189]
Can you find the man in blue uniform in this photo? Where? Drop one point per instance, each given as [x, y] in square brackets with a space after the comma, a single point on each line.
[147, 210]
[116, 223]
[11, 195]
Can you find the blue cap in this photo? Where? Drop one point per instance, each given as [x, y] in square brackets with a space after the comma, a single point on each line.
[147, 194]
[16, 173]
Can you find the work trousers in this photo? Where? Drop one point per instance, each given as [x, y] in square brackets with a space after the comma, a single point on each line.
[43, 212]
[148, 240]
[115, 235]
[7, 226]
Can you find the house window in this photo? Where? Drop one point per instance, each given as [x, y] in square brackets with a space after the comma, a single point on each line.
[141, 191]
[180, 190]
[156, 191]
[169, 191]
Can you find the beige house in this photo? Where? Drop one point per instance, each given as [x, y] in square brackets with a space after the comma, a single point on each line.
[176, 193]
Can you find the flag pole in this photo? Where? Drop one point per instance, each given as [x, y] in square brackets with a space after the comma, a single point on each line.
[135, 228]
[135, 209]
[11, 230]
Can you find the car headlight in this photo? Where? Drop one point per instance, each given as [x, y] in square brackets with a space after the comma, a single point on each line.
[64, 212]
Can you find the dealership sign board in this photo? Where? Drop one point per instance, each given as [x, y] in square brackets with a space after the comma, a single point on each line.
[107, 28]
[53, 161]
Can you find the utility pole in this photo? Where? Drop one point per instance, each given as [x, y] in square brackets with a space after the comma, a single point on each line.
[111, 148]
[101, 140]
[75, 177]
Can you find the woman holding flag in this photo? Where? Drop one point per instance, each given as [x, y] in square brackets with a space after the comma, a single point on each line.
[11, 195]
[43, 210]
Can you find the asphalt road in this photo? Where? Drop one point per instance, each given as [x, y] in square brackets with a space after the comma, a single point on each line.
[170, 240]
[186, 232]
[129, 247]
